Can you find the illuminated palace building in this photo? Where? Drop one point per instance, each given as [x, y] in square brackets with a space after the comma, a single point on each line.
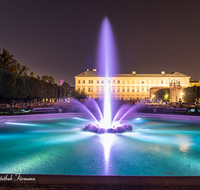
[128, 86]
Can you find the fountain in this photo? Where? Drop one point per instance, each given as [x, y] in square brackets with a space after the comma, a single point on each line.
[55, 144]
[107, 65]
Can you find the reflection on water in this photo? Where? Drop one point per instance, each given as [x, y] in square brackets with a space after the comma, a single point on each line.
[107, 141]
[60, 146]
[185, 142]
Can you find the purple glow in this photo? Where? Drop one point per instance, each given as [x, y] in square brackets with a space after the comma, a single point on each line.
[102, 123]
[107, 64]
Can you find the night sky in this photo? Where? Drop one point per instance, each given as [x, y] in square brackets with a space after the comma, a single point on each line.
[60, 37]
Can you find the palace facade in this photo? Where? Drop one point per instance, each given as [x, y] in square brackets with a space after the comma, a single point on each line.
[127, 86]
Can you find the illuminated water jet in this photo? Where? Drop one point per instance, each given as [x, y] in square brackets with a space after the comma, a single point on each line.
[107, 63]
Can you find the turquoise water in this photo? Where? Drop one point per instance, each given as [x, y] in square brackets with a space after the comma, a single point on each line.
[60, 146]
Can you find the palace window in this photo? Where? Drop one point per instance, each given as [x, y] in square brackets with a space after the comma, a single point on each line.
[118, 89]
[83, 81]
[79, 81]
[90, 89]
[142, 88]
[113, 89]
[138, 89]
[97, 81]
[118, 81]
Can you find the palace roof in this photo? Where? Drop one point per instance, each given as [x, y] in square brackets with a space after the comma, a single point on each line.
[94, 73]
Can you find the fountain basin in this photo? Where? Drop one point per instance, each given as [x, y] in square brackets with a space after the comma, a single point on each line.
[156, 147]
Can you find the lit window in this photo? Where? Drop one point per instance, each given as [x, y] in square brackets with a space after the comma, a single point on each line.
[123, 82]
[113, 89]
[142, 89]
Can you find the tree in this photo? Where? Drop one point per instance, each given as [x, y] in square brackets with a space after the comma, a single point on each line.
[9, 63]
[7, 87]
[22, 70]
[32, 74]
[67, 87]
[20, 88]
[49, 79]
[162, 94]
[192, 94]
[78, 95]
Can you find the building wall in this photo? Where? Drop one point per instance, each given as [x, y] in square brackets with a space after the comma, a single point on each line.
[127, 88]
[194, 83]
